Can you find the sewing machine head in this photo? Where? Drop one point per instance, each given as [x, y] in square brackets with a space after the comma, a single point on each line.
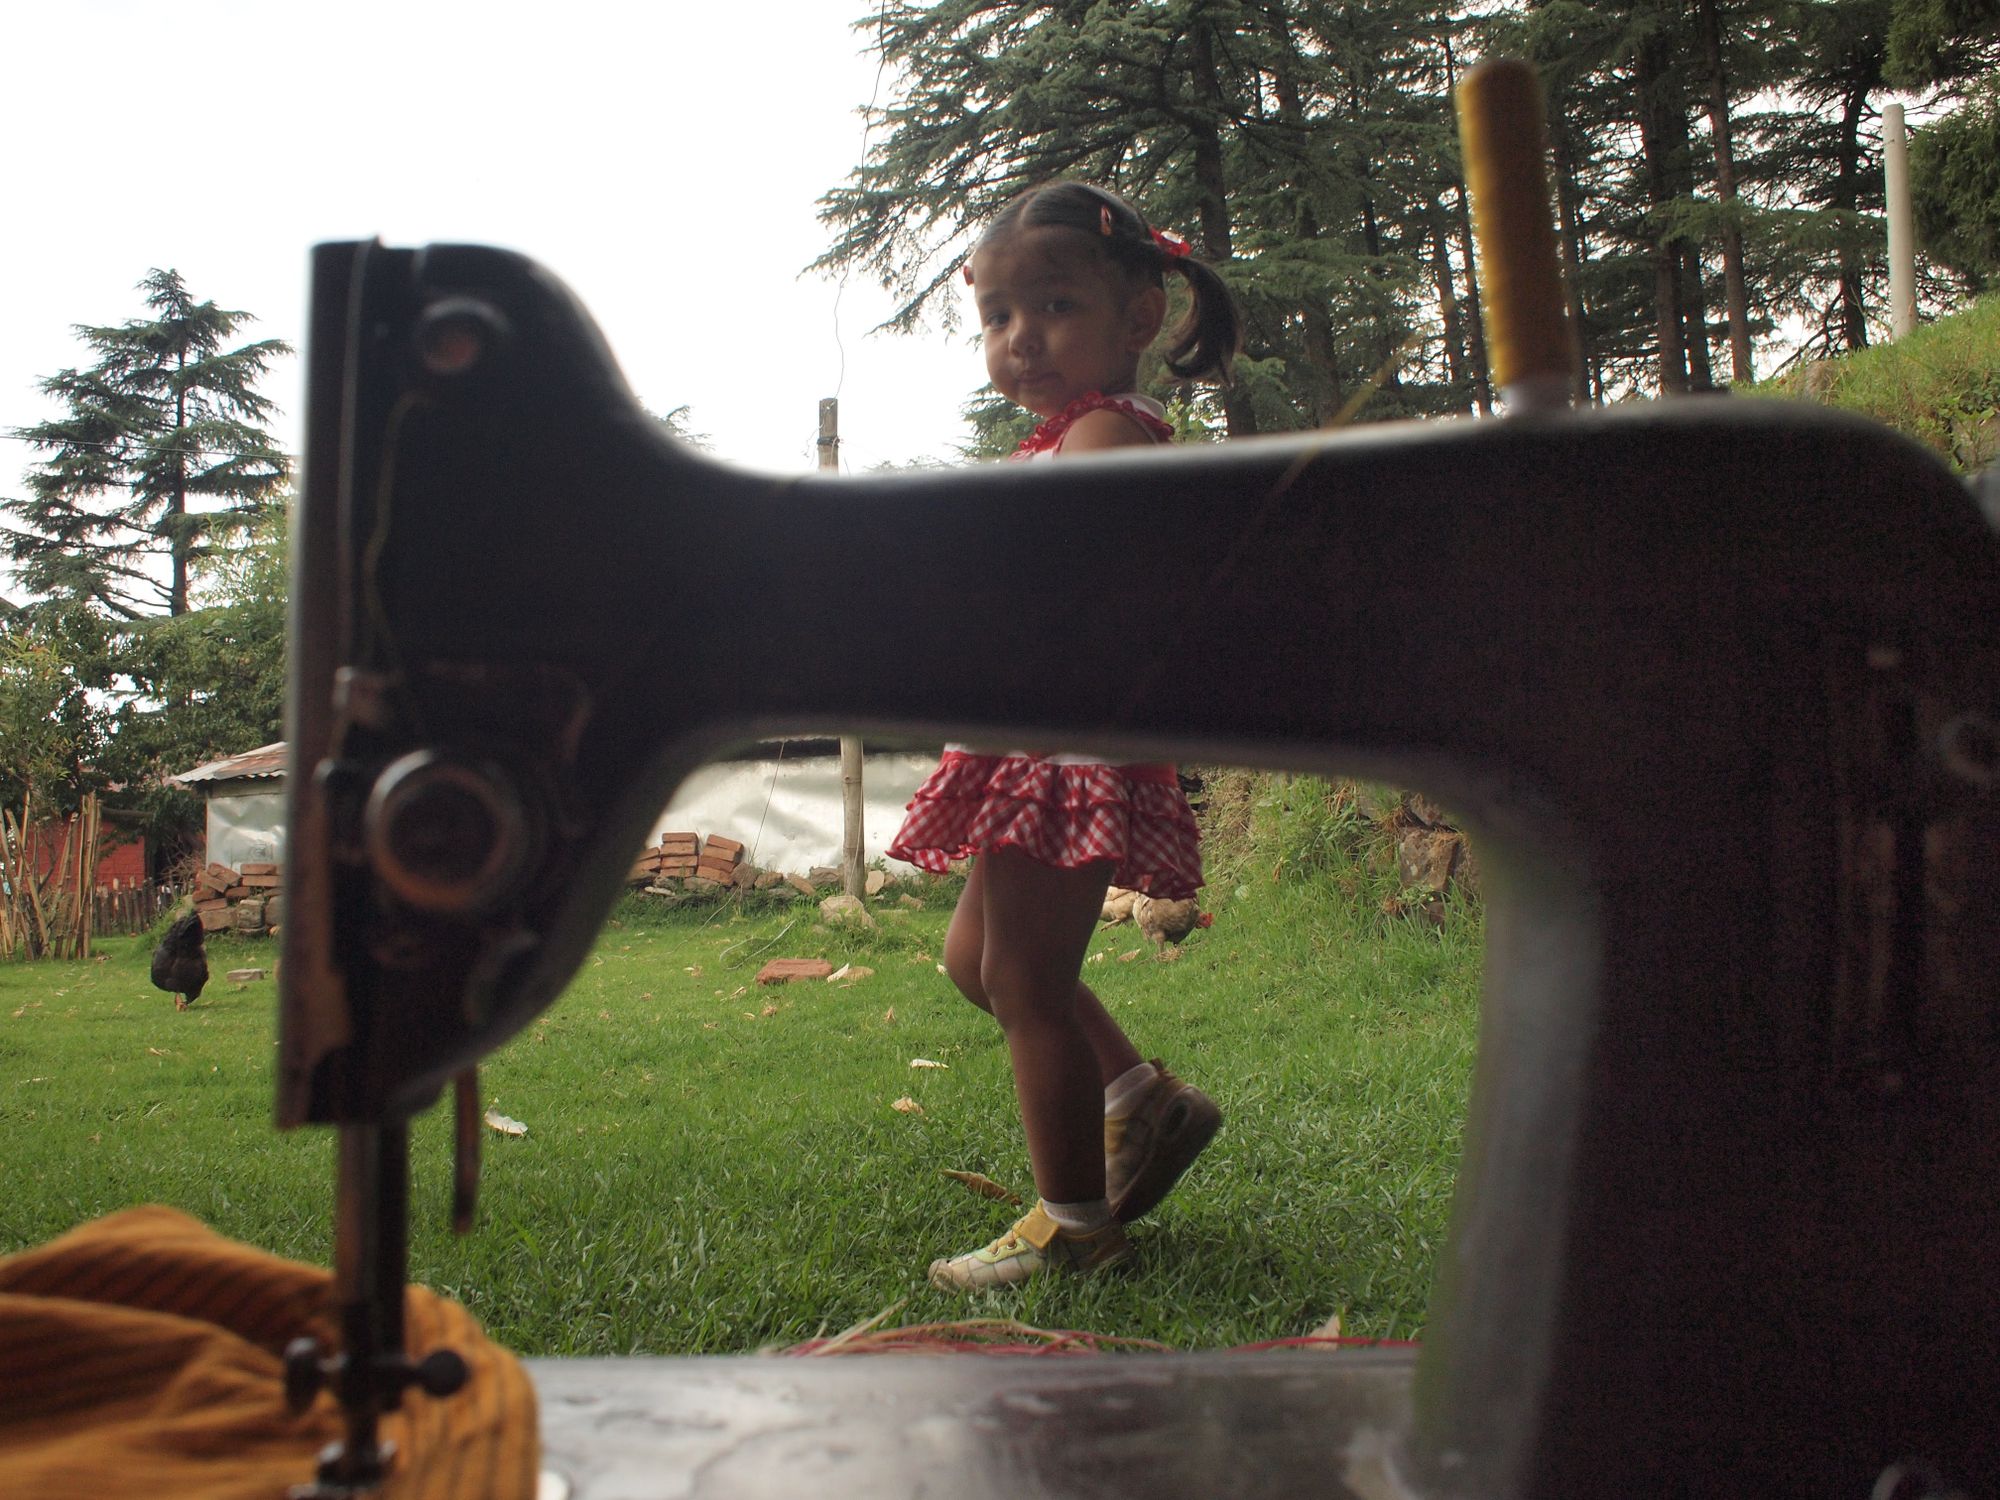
[1715, 681]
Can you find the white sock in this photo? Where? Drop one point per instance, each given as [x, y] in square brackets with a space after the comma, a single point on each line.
[1080, 1218]
[1123, 1093]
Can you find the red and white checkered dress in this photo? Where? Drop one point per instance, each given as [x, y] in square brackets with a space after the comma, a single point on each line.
[1063, 810]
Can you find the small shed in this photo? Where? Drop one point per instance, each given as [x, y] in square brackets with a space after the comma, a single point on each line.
[245, 795]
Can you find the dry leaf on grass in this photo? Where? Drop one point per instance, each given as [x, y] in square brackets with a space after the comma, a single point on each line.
[985, 1186]
[770, 1010]
[889, 1016]
[156, 1052]
[907, 1106]
[1095, 958]
[504, 1124]
[944, 971]
[1126, 958]
[925, 1062]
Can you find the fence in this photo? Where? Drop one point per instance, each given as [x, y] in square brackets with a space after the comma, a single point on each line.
[121, 908]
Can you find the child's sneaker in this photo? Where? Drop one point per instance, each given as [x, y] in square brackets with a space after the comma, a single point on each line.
[1146, 1151]
[1035, 1245]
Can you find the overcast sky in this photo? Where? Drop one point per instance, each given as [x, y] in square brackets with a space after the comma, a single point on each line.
[662, 158]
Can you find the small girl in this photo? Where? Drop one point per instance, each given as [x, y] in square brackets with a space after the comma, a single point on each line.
[1068, 281]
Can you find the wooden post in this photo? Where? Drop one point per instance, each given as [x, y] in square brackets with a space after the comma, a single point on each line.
[851, 876]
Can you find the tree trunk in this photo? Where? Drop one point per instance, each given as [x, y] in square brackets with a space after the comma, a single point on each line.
[1212, 190]
[177, 546]
[1735, 291]
[1656, 136]
[1570, 240]
[1454, 334]
[1847, 197]
[1694, 305]
[1475, 320]
[1322, 350]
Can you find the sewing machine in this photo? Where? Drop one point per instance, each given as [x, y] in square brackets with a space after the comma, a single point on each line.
[1716, 682]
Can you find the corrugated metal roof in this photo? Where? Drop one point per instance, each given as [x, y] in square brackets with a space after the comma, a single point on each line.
[265, 761]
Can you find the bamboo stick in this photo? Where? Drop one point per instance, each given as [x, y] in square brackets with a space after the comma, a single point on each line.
[24, 865]
[10, 894]
[57, 889]
[86, 874]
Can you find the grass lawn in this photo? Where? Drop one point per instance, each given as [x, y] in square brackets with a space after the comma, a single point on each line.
[711, 1167]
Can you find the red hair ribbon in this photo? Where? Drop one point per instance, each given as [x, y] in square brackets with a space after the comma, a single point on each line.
[966, 269]
[1104, 220]
[1169, 245]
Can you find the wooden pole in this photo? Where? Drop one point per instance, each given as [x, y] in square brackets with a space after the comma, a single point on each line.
[851, 876]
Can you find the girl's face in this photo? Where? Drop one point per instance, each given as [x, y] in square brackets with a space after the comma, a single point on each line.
[1058, 319]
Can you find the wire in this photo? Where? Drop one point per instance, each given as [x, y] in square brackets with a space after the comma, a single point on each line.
[757, 838]
[867, 127]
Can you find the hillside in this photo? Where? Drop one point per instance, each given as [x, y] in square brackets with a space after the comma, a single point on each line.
[1941, 385]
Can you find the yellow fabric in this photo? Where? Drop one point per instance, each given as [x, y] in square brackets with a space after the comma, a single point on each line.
[141, 1355]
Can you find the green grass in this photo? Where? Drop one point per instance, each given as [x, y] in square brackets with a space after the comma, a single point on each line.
[1940, 384]
[702, 1177]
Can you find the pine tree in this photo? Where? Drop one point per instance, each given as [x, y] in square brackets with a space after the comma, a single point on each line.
[1303, 147]
[160, 457]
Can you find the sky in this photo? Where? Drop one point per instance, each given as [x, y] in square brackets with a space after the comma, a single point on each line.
[661, 158]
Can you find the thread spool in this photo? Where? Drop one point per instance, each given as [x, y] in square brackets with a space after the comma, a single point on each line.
[1503, 135]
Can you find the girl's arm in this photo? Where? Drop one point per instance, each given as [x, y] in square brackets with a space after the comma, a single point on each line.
[1104, 428]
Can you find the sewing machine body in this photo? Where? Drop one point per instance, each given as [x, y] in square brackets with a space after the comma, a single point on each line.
[1714, 682]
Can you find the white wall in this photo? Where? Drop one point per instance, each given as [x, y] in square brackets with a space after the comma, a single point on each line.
[786, 813]
[248, 829]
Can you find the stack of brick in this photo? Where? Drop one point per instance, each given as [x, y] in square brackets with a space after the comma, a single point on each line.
[247, 900]
[688, 861]
[673, 858]
[719, 859]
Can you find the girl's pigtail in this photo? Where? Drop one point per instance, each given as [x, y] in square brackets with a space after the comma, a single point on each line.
[1208, 338]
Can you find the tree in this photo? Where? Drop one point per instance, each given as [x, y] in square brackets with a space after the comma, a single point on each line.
[197, 686]
[1955, 189]
[159, 456]
[53, 727]
[1304, 147]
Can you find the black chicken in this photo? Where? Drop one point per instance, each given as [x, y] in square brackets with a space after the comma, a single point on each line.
[179, 965]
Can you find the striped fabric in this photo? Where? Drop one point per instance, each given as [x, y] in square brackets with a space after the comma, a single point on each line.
[1061, 812]
[141, 1355]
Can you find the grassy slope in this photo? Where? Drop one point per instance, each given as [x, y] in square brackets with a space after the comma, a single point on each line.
[1940, 385]
[700, 1176]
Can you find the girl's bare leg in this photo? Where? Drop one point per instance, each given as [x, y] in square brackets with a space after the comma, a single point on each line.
[964, 947]
[1037, 926]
